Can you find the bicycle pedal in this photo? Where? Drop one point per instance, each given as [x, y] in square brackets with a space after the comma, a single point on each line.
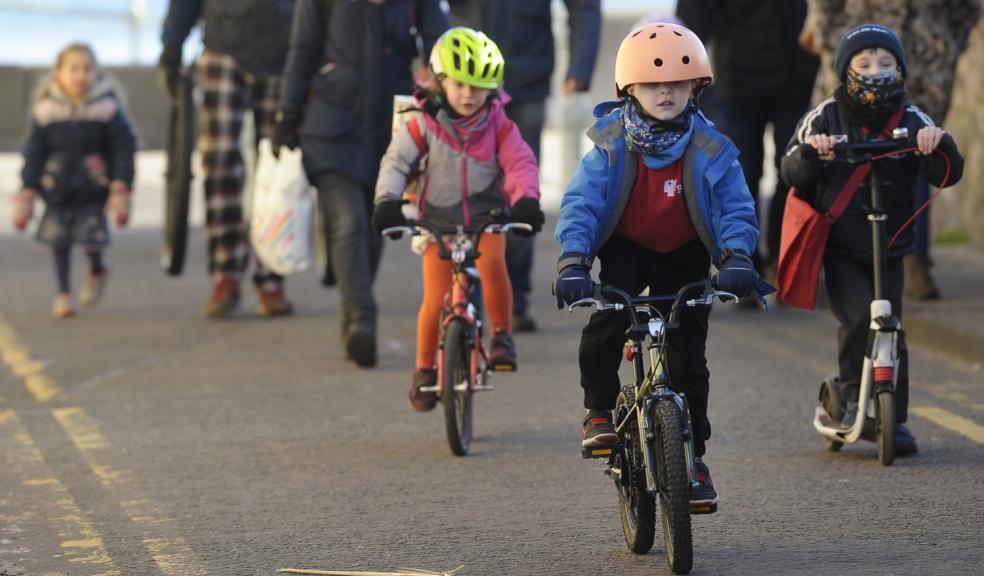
[597, 452]
[703, 508]
[503, 367]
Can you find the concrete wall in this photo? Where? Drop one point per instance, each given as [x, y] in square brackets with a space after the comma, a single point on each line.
[148, 109]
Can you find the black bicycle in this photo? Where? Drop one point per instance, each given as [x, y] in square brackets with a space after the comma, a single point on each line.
[654, 456]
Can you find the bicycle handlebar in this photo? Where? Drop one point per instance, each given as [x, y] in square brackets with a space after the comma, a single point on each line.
[474, 233]
[859, 151]
[601, 299]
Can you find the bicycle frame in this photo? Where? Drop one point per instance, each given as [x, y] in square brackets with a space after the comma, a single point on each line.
[459, 244]
[652, 386]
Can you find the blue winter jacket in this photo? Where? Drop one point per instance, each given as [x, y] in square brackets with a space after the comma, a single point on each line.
[720, 206]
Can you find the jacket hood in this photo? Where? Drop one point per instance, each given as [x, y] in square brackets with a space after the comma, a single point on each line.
[102, 87]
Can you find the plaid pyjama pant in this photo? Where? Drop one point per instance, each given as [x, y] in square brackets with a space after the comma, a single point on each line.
[229, 91]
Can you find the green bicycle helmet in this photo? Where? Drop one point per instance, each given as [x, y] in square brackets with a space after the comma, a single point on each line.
[469, 57]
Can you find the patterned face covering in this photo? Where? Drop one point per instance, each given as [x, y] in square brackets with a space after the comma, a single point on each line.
[649, 138]
[881, 92]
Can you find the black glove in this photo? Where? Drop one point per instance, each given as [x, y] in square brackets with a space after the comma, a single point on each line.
[285, 130]
[573, 283]
[736, 274]
[387, 214]
[527, 211]
[169, 70]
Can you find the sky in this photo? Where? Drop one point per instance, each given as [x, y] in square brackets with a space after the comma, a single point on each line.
[32, 31]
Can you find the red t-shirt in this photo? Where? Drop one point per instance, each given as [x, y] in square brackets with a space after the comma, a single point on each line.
[656, 214]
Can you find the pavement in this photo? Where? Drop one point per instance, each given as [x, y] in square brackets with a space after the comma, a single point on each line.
[953, 325]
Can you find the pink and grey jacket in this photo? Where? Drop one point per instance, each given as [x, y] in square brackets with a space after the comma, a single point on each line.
[473, 165]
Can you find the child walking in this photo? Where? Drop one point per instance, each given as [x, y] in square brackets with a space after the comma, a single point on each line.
[477, 162]
[79, 160]
[659, 197]
[870, 63]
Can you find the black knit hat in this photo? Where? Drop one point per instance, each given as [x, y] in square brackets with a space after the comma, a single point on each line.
[867, 36]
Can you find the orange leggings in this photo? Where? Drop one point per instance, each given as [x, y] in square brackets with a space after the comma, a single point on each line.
[437, 280]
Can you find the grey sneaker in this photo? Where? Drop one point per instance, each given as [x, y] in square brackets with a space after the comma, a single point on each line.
[702, 492]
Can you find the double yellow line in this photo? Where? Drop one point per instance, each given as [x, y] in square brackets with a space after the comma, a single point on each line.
[80, 541]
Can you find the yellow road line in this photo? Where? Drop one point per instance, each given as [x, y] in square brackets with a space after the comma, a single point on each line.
[80, 542]
[169, 550]
[951, 421]
[18, 359]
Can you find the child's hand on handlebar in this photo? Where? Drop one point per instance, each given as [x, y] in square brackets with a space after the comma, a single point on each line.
[928, 138]
[388, 214]
[823, 144]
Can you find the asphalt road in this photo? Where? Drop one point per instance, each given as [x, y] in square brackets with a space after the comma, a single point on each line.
[139, 439]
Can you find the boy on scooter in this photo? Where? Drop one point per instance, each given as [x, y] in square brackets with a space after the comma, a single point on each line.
[870, 63]
[659, 197]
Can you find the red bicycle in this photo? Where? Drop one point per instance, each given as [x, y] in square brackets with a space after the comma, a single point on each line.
[463, 365]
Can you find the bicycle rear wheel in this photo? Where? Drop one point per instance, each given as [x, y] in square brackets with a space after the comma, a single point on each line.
[457, 394]
[886, 428]
[180, 145]
[637, 507]
[674, 488]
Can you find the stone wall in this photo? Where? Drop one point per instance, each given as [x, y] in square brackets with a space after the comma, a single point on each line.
[963, 205]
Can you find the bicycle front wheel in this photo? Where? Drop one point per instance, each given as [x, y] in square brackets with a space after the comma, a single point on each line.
[456, 381]
[886, 428]
[674, 487]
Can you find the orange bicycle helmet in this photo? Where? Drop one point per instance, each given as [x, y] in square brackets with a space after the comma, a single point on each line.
[661, 52]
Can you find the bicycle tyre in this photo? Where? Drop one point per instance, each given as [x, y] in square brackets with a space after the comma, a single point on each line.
[886, 428]
[637, 507]
[178, 175]
[457, 403]
[674, 487]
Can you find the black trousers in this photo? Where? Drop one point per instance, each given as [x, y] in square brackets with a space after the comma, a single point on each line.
[850, 288]
[633, 268]
[744, 121]
[355, 248]
[529, 118]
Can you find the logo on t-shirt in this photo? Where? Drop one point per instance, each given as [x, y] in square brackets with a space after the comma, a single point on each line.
[671, 188]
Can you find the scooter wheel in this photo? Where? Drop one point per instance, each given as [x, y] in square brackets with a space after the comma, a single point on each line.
[834, 445]
[831, 398]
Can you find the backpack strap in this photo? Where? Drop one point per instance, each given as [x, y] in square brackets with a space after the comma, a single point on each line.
[860, 173]
[418, 137]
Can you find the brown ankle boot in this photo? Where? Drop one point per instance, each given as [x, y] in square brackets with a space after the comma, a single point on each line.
[919, 283]
[273, 303]
[224, 298]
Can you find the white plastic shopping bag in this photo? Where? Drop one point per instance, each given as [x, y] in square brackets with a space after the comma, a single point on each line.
[281, 223]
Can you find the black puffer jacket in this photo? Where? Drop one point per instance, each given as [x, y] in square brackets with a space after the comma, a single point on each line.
[73, 152]
[354, 60]
[818, 182]
[754, 49]
[253, 32]
[523, 30]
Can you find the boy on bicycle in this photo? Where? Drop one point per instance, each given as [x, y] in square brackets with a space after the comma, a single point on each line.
[476, 163]
[659, 197]
[870, 63]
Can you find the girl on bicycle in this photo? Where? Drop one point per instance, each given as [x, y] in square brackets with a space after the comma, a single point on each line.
[476, 163]
[659, 197]
[79, 159]
[870, 63]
